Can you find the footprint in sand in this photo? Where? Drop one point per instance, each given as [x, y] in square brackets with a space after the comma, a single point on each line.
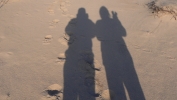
[51, 8]
[67, 39]
[63, 41]
[63, 7]
[53, 92]
[51, 11]
[47, 39]
[61, 58]
[53, 23]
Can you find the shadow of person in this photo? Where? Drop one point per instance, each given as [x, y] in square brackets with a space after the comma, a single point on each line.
[79, 68]
[116, 58]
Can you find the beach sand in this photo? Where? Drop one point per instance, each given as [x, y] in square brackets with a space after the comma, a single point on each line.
[88, 50]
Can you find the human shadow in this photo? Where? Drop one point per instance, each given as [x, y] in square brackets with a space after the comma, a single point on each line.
[79, 69]
[118, 63]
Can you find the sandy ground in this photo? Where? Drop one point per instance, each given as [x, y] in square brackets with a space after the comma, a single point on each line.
[89, 50]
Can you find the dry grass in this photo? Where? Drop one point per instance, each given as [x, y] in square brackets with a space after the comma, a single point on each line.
[159, 11]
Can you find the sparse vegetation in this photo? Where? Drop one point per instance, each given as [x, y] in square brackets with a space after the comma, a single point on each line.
[162, 10]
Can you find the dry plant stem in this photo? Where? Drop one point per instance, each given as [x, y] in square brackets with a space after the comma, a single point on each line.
[156, 10]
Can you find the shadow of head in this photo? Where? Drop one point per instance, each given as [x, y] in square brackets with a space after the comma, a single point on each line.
[104, 13]
[82, 13]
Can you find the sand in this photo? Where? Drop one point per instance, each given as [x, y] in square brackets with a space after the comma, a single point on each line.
[87, 50]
